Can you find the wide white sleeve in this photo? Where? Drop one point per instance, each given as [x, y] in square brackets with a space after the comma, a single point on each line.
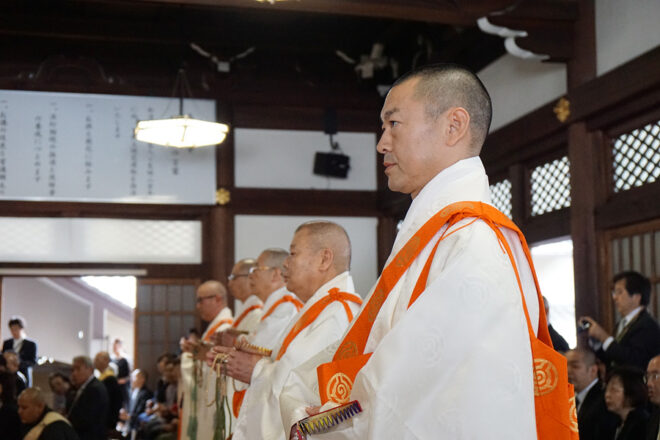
[458, 363]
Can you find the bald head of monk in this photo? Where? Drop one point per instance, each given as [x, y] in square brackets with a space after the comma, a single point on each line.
[31, 404]
[102, 361]
[239, 286]
[211, 299]
[319, 251]
[266, 277]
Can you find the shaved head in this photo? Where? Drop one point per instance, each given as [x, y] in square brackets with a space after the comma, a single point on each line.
[443, 86]
[274, 257]
[320, 250]
[31, 404]
[211, 299]
[329, 235]
[244, 265]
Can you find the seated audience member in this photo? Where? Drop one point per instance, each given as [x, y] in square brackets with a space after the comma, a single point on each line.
[625, 396]
[13, 368]
[10, 424]
[653, 384]
[137, 404]
[39, 421]
[167, 413]
[637, 336]
[594, 421]
[63, 392]
[25, 348]
[558, 341]
[107, 377]
[123, 369]
[88, 413]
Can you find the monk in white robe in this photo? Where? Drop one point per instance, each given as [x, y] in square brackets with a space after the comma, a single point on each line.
[197, 418]
[280, 306]
[316, 271]
[248, 306]
[457, 363]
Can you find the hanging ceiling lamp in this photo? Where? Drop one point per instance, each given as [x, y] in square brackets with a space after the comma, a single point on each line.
[181, 131]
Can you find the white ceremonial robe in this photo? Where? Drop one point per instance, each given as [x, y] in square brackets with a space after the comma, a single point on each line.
[250, 321]
[457, 364]
[270, 330]
[260, 415]
[205, 388]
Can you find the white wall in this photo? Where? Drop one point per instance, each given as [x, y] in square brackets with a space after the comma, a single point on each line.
[254, 233]
[624, 30]
[285, 159]
[53, 316]
[518, 86]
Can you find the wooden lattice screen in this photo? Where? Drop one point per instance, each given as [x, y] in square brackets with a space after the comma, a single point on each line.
[636, 157]
[550, 186]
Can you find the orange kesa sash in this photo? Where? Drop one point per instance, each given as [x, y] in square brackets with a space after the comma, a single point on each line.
[553, 396]
[286, 298]
[315, 310]
[245, 313]
[209, 332]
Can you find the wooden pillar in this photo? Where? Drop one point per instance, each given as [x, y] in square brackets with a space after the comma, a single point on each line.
[386, 235]
[218, 241]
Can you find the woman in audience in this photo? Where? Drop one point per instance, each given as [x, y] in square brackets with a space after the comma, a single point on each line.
[63, 392]
[625, 396]
[10, 423]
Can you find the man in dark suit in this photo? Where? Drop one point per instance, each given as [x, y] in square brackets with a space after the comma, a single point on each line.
[652, 379]
[594, 421]
[558, 341]
[89, 410]
[25, 348]
[637, 336]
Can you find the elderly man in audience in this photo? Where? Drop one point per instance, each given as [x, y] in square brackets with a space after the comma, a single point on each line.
[41, 422]
[652, 379]
[109, 380]
[199, 420]
[317, 272]
[88, 413]
[594, 421]
[637, 336]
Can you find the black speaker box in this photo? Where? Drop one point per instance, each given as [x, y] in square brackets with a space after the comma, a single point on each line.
[331, 165]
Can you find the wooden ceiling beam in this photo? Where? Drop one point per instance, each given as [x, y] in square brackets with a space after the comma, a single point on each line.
[430, 11]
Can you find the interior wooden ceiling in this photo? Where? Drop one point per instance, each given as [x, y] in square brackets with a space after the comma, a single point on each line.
[138, 45]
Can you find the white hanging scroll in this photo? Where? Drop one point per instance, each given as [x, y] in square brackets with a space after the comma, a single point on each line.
[80, 147]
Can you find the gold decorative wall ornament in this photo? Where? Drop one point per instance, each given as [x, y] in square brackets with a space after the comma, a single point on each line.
[562, 109]
[222, 196]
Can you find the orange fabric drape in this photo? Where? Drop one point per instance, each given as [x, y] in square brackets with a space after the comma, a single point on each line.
[237, 401]
[554, 399]
[315, 310]
[245, 313]
[209, 332]
[287, 298]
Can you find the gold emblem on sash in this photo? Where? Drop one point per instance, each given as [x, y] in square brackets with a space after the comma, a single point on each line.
[545, 377]
[339, 388]
[408, 252]
[347, 350]
[375, 303]
[572, 416]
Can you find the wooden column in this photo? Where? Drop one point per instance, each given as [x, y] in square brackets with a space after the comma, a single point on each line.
[386, 235]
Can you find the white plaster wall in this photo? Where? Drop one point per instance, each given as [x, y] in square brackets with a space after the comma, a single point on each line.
[53, 317]
[254, 233]
[518, 86]
[624, 30]
[285, 159]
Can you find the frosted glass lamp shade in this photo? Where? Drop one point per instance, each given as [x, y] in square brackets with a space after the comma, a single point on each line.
[181, 132]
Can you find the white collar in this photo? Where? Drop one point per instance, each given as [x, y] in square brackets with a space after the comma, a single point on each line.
[465, 180]
[583, 394]
[224, 314]
[630, 316]
[19, 341]
[252, 300]
[343, 281]
[275, 296]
